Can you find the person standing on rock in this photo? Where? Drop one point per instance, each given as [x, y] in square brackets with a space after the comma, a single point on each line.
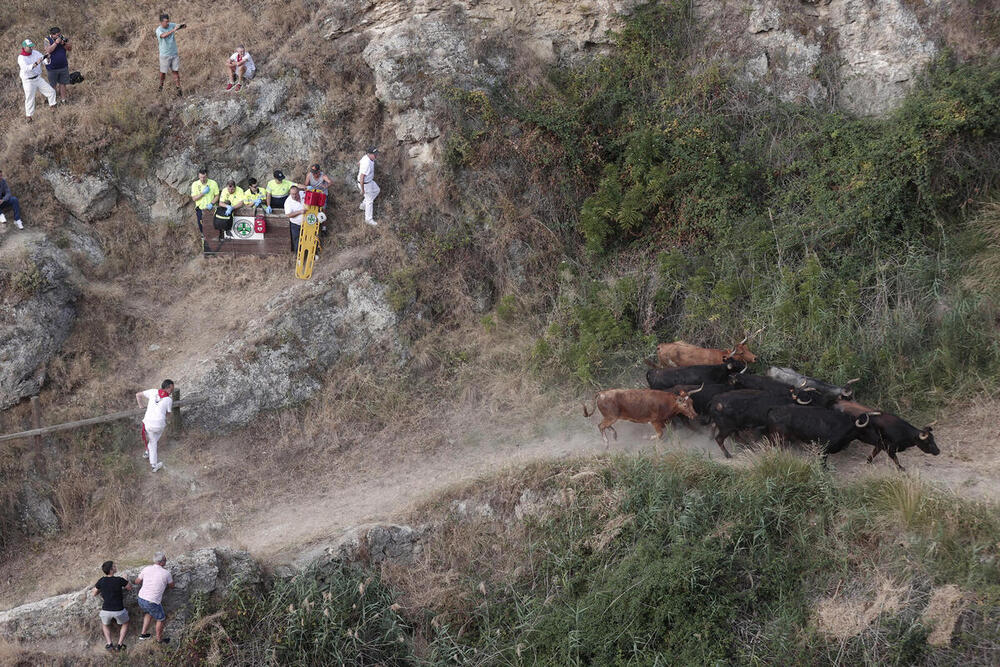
[205, 195]
[57, 47]
[366, 183]
[169, 58]
[154, 423]
[8, 200]
[112, 591]
[154, 580]
[277, 190]
[316, 179]
[294, 208]
[30, 62]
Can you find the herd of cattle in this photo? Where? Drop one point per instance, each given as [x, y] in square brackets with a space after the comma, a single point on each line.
[712, 386]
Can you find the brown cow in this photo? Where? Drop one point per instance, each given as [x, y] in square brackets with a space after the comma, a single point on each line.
[680, 353]
[643, 406]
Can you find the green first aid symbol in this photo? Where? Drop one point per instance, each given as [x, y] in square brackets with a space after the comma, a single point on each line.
[243, 229]
[311, 219]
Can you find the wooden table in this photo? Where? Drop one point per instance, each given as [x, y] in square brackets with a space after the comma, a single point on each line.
[275, 241]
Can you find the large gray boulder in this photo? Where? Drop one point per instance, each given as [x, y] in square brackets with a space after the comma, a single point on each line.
[282, 359]
[88, 197]
[202, 572]
[37, 311]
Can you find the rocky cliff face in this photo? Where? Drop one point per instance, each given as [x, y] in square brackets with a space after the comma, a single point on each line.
[210, 572]
[202, 572]
[864, 55]
[36, 312]
[281, 359]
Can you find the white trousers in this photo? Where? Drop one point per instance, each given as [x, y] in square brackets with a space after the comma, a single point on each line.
[368, 203]
[33, 86]
[151, 435]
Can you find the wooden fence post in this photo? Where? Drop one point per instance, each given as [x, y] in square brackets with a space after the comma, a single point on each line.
[176, 421]
[36, 420]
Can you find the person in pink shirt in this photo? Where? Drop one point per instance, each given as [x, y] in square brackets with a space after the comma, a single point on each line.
[155, 579]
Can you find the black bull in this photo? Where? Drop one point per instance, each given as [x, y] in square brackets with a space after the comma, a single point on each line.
[664, 378]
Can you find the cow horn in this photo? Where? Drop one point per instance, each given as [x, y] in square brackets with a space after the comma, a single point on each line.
[924, 435]
[745, 339]
[801, 402]
[697, 390]
[931, 424]
[850, 382]
[745, 367]
[803, 383]
[857, 422]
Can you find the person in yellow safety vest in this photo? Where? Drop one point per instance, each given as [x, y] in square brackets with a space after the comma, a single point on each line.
[253, 196]
[230, 198]
[205, 195]
[277, 190]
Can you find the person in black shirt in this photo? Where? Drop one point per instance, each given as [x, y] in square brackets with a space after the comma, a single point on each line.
[112, 589]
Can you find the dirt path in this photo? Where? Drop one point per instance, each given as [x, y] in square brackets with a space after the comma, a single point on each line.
[372, 490]
[189, 505]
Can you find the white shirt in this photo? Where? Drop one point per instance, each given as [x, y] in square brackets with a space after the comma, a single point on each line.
[31, 66]
[366, 168]
[292, 207]
[247, 60]
[156, 409]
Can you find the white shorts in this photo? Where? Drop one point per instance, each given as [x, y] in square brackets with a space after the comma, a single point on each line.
[120, 616]
[169, 63]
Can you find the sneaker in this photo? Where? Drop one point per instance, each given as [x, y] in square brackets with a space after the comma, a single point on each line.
[237, 88]
[372, 223]
[19, 224]
[109, 647]
[160, 89]
[3, 218]
[158, 466]
[361, 206]
[229, 86]
[165, 640]
[145, 455]
[122, 647]
[179, 93]
[145, 635]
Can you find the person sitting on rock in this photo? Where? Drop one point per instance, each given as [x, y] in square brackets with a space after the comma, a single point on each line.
[241, 68]
[230, 198]
[277, 190]
[154, 580]
[253, 196]
[112, 590]
[8, 200]
[205, 195]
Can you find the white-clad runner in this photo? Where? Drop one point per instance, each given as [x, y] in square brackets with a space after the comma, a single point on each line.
[158, 404]
[367, 185]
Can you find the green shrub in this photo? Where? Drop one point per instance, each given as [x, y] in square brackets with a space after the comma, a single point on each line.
[334, 615]
[845, 237]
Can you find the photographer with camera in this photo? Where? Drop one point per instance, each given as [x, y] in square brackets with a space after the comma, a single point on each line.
[57, 47]
[169, 60]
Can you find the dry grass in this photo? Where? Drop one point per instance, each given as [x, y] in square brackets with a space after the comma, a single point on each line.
[843, 616]
[942, 612]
